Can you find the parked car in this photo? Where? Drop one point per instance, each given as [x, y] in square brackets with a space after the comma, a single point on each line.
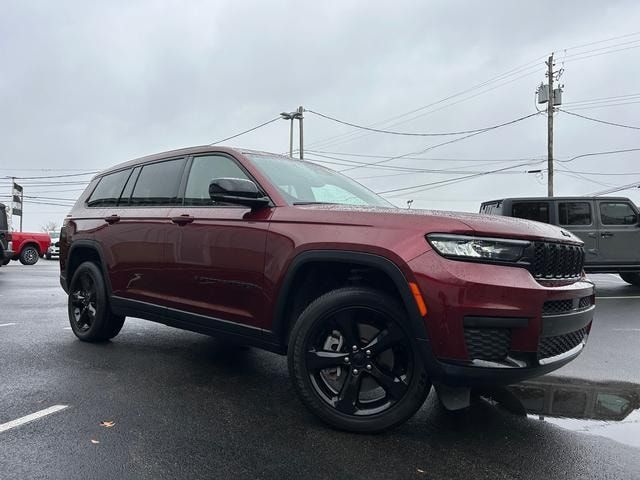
[29, 247]
[372, 304]
[6, 246]
[608, 226]
[54, 249]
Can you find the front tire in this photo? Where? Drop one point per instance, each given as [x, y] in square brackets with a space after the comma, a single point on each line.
[354, 362]
[90, 315]
[631, 277]
[29, 256]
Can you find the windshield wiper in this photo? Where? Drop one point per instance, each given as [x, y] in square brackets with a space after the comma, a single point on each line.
[315, 203]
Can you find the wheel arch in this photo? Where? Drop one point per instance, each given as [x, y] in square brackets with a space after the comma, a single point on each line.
[282, 318]
[82, 251]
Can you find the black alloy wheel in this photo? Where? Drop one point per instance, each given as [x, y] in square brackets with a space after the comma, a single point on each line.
[83, 300]
[354, 363]
[90, 315]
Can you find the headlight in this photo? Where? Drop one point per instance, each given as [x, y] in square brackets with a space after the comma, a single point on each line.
[478, 248]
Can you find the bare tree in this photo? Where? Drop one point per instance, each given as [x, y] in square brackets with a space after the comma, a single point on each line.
[49, 227]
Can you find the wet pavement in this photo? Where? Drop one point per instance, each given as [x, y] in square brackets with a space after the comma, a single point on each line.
[185, 405]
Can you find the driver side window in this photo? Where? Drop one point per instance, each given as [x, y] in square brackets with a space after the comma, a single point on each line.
[203, 170]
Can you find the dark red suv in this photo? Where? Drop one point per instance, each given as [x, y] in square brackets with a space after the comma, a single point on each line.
[372, 304]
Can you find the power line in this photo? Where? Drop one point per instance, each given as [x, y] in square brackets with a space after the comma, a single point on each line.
[56, 176]
[502, 76]
[354, 135]
[455, 180]
[603, 41]
[246, 131]
[623, 44]
[617, 189]
[597, 154]
[599, 121]
[593, 107]
[441, 159]
[602, 53]
[412, 134]
[448, 142]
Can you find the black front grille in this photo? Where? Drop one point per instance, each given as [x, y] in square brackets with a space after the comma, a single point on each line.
[553, 307]
[57, 244]
[553, 261]
[585, 302]
[487, 343]
[556, 307]
[552, 346]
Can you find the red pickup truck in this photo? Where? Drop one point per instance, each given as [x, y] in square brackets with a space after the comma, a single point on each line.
[28, 247]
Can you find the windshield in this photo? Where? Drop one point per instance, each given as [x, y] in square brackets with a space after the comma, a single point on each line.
[302, 182]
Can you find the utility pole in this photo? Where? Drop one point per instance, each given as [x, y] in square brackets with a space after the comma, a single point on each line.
[550, 103]
[295, 115]
[552, 96]
[300, 119]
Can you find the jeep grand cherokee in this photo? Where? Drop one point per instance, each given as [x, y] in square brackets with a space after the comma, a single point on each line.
[372, 304]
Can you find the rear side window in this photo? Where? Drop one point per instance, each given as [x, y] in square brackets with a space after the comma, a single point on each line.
[538, 211]
[3, 217]
[159, 183]
[203, 170]
[574, 213]
[617, 213]
[108, 190]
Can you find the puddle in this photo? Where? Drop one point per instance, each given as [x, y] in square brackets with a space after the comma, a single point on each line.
[607, 409]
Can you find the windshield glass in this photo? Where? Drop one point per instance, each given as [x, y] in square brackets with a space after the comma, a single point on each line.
[302, 182]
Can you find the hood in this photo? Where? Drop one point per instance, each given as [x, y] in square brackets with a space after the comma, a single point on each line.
[432, 221]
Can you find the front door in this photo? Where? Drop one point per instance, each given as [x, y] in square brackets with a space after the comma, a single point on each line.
[578, 217]
[619, 232]
[216, 251]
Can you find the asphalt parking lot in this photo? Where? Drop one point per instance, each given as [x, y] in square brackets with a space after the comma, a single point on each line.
[182, 405]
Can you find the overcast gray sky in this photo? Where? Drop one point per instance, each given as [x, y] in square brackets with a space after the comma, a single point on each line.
[85, 85]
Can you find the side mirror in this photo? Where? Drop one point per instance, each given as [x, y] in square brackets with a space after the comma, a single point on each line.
[237, 190]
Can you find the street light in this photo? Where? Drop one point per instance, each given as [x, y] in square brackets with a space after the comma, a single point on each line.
[295, 115]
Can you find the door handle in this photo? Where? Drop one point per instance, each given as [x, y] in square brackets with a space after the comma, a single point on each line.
[182, 219]
[606, 234]
[111, 219]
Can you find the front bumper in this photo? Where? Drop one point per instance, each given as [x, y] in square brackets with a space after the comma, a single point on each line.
[494, 325]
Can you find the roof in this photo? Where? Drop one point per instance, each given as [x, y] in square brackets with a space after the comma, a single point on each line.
[182, 152]
[564, 199]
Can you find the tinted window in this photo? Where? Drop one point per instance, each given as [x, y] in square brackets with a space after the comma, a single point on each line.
[538, 211]
[574, 213]
[612, 213]
[203, 170]
[109, 188]
[159, 183]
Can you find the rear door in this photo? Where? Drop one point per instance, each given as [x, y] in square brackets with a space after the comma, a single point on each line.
[578, 217]
[216, 251]
[619, 238]
[136, 231]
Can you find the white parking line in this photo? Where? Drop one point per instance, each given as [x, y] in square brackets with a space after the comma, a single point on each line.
[30, 418]
[6, 324]
[626, 329]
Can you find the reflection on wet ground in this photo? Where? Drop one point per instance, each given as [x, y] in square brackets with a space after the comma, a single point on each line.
[607, 409]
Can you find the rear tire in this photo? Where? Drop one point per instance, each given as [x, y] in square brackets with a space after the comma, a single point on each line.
[631, 277]
[90, 315]
[354, 362]
[29, 256]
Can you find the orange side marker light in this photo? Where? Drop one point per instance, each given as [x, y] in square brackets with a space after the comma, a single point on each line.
[422, 307]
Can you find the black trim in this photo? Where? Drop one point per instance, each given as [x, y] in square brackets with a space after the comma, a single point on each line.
[553, 325]
[280, 323]
[64, 277]
[193, 322]
[496, 322]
